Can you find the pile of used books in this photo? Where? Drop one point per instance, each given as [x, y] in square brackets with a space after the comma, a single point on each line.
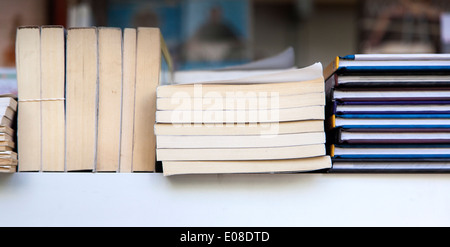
[8, 156]
[389, 113]
[270, 123]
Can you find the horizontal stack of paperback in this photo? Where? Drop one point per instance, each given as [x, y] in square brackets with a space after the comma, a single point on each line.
[8, 156]
[86, 97]
[389, 113]
[259, 124]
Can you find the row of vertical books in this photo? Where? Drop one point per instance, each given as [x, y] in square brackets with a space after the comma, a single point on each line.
[86, 97]
[389, 113]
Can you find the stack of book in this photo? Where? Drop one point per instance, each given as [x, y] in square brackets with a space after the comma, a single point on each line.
[389, 112]
[8, 156]
[259, 124]
[87, 97]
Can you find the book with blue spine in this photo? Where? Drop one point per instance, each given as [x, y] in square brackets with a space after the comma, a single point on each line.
[389, 63]
[390, 151]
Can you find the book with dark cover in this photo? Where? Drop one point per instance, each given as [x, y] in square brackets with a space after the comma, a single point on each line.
[390, 151]
[390, 136]
[352, 64]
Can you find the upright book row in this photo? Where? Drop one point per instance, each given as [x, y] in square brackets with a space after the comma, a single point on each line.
[389, 113]
[86, 98]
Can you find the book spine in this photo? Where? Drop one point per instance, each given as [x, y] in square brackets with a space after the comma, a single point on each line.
[81, 98]
[53, 115]
[148, 68]
[29, 94]
[331, 68]
[109, 98]
[128, 92]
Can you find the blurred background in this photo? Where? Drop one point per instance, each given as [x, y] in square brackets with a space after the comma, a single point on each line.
[215, 33]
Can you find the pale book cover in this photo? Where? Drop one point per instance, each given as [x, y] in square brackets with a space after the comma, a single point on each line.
[238, 103]
[237, 89]
[81, 98]
[109, 98]
[239, 129]
[148, 73]
[128, 91]
[249, 141]
[28, 65]
[267, 153]
[242, 116]
[260, 166]
[53, 113]
[8, 101]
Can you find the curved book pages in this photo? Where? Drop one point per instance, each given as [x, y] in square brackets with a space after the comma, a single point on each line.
[243, 122]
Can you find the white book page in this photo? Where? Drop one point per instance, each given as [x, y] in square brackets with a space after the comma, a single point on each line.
[247, 76]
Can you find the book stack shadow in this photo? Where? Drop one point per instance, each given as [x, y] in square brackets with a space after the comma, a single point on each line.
[269, 124]
[389, 113]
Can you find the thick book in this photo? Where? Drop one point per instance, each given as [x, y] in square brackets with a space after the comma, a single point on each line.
[153, 67]
[7, 145]
[266, 153]
[5, 137]
[239, 129]
[8, 158]
[256, 75]
[6, 111]
[388, 121]
[392, 135]
[390, 95]
[385, 81]
[128, 91]
[28, 65]
[436, 107]
[390, 166]
[8, 169]
[389, 65]
[385, 151]
[81, 98]
[260, 166]
[52, 83]
[7, 130]
[279, 86]
[250, 101]
[5, 121]
[8, 102]
[242, 116]
[245, 141]
[109, 98]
